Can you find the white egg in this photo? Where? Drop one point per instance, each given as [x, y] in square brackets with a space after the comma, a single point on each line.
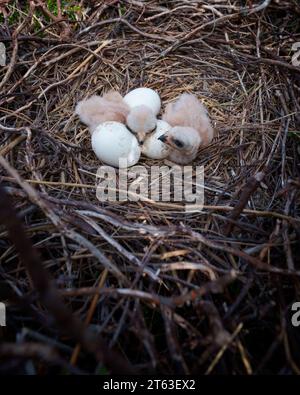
[154, 148]
[143, 96]
[112, 141]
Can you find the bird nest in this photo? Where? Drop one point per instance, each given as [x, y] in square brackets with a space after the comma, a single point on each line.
[144, 286]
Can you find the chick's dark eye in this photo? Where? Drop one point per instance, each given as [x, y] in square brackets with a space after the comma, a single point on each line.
[178, 143]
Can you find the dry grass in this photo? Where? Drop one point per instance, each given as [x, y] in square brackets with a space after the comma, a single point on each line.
[228, 276]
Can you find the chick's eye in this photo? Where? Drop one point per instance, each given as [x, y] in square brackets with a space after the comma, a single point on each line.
[178, 143]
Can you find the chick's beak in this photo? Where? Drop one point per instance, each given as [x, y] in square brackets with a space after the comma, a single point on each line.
[163, 138]
[141, 137]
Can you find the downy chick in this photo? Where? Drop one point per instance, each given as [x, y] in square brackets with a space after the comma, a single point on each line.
[191, 128]
[96, 109]
[144, 106]
[141, 121]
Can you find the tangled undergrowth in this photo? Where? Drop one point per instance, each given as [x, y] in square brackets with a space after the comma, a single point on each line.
[96, 287]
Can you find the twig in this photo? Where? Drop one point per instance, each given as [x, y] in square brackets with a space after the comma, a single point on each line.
[250, 187]
[34, 197]
[47, 292]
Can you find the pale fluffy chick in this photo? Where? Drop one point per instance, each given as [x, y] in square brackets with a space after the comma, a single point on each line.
[96, 109]
[141, 121]
[191, 128]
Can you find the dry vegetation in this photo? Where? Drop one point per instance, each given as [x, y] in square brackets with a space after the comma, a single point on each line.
[142, 286]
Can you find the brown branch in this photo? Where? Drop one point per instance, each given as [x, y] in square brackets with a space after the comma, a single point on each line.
[215, 286]
[15, 45]
[128, 24]
[172, 341]
[49, 295]
[69, 233]
[65, 28]
[214, 23]
[249, 188]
